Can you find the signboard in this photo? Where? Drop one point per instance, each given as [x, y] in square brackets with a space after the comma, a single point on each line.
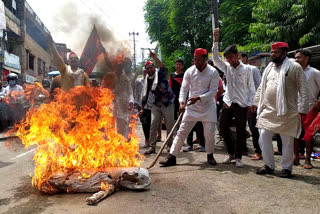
[12, 62]
[221, 56]
[30, 79]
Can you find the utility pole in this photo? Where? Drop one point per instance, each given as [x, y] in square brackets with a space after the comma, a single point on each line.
[134, 34]
[145, 49]
[215, 18]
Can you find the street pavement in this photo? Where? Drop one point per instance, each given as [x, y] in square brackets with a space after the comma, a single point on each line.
[190, 187]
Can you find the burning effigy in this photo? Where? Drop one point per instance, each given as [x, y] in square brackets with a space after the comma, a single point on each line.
[78, 146]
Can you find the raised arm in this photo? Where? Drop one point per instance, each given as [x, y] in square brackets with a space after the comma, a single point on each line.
[156, 59]
[57, 59]
[215, 52]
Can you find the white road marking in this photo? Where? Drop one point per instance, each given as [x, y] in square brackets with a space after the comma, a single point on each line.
[23, 154]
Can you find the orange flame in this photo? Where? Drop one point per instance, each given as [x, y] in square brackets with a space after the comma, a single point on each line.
[76, 133]
[104, 186]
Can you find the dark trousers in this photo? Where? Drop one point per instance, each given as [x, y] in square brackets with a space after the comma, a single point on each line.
[198, 128]
[240, 115]
[279, 142]
[252, 121]
[302, 143]
[145, 120]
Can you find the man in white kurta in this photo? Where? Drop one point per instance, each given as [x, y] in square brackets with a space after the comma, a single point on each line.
[277, 111]
[200, 82]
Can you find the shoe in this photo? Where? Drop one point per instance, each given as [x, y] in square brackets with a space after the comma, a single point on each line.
[285, 173]
[187, 149]
[227, 159]
[265, 170]
[239, 163]
[150, 151]
[201, 149]
[170, 161]
[256, 156]
[211, 160]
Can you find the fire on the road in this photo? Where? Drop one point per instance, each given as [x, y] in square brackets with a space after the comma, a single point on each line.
[76, 133]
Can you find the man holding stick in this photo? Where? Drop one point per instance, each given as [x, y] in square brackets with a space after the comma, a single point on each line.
[201, 80]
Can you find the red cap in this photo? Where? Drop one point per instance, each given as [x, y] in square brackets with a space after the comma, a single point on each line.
[72, 54]
[278, 45]
[148, 63]
[200, 52]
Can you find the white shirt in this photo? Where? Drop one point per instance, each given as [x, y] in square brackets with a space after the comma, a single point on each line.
[256, 75]
[77, 76]
[240, 86]
[204, 85]
[18, 96]
[313, 79]
[8, 89]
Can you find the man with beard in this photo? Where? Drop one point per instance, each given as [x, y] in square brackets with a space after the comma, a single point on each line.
[71, 75]
[276, 105]
[200, 82]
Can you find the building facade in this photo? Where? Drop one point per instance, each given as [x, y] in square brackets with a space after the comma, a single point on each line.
[24, 43]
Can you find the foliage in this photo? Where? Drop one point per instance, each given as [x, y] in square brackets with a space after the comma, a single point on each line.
[293, 21]
[235, 19]
[180, 26]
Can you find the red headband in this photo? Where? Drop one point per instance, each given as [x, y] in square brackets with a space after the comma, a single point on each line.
[148, 63]
[278, 45]
[200, 52]
[72, 54]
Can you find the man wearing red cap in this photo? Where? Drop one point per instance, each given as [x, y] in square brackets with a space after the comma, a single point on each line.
[238, 97]
[276, 105]
[157, 96]
[200, 82]
[71, 75]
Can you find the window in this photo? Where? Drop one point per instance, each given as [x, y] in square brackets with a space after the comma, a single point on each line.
[31, 61]
[40, 66]
[27, 58]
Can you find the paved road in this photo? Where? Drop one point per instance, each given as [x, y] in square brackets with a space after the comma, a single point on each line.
[190, 187]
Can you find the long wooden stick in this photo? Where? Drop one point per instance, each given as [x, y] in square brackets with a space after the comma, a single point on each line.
[165, 142]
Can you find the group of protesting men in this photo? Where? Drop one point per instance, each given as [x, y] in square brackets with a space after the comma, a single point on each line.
[283, 101]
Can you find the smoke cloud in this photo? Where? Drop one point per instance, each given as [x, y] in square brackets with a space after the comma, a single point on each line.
[76, 25]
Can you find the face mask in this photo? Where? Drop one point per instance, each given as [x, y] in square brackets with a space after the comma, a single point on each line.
[12, 82]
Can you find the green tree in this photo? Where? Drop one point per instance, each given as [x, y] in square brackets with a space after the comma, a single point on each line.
[235, 19]
[179, 26]
[293, 21]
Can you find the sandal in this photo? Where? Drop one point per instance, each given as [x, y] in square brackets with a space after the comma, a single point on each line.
[200, 149]
[307, 166]
[187, 149]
